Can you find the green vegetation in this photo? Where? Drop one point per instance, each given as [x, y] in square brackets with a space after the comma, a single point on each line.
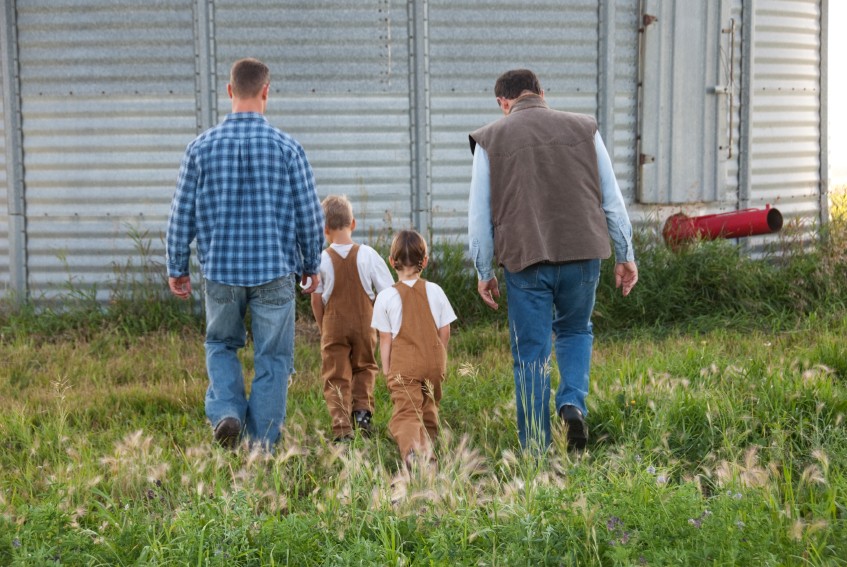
[717, 421]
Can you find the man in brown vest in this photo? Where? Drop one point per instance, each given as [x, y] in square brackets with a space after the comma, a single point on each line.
[545, 201]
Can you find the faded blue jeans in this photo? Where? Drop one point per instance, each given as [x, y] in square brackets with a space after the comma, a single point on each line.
[546, 300]
[272, 324]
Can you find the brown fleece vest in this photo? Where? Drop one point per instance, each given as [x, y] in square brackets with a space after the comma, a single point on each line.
[546, 200]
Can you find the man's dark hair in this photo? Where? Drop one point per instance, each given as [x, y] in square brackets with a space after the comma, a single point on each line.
[512, 83]
[248, 77]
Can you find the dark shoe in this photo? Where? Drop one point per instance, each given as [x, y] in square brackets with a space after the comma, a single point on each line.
[577, 430]
[227, 432]
[362, 422]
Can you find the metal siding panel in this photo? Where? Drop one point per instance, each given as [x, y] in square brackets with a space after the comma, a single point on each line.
[469, 48]
[95, 47]
[4, 200]
[339, 86]
[728, 193]
[108, 105]
[625, 137]
[785, 114]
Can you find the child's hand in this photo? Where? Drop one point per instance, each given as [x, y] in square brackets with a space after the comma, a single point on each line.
[309, 282]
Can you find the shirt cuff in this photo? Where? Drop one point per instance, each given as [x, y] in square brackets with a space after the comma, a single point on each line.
[485, 276]
[177, 269]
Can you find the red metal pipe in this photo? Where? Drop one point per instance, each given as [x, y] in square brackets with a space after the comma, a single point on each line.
[680, 228]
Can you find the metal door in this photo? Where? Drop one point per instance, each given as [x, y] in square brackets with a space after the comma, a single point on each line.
[687, 83]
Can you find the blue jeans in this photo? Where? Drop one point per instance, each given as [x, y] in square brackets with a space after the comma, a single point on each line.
[546, 300]
[272, 323]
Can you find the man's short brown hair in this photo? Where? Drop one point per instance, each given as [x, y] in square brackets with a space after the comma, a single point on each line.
[512, 83]
[248, 77]
[338, 212]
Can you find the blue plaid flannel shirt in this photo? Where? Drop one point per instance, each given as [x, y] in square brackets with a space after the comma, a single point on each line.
[246, 192]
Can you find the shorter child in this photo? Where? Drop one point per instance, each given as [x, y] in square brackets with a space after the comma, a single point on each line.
[351, 276]
[413, 319]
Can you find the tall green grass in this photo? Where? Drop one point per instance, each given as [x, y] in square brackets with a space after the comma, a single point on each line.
[724, 448]
[717, 435]
[701, 286]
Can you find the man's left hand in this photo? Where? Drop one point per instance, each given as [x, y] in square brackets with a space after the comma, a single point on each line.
[626, 276]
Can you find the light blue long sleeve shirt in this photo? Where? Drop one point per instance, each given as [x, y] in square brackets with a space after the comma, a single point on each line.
[481, 228]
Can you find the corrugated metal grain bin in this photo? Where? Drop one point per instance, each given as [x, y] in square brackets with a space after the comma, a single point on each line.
[705, 107]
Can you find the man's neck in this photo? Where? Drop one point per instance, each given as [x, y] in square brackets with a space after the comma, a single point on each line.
[248, 105]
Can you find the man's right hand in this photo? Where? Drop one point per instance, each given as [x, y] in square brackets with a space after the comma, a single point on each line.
[180, 287]
[489, 291]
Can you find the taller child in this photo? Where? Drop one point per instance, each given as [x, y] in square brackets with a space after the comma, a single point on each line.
[544, 198]
[351, 276]
[246, 192]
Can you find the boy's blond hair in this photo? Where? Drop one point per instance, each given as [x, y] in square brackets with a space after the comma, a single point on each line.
[338, 212]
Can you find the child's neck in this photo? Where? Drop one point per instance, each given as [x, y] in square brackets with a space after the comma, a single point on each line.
[340, 236]
[408, 274]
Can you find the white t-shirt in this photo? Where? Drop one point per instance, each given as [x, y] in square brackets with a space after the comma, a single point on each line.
[388, 308]
[373, 272]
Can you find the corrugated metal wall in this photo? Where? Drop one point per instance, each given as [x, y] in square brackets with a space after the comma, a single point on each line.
[622, 143]
[469, 47]
[784, 146]
[107, 95]
[382, 95]
[340, 85]
[4, 197]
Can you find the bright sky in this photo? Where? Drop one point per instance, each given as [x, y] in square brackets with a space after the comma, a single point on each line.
[837, 93]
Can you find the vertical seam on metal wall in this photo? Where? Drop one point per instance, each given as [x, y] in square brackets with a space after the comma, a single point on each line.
[606, 74]
[421, 186]
[745, 144]
[204, 64]
[638, 191]
[823, 104]
[9, 67]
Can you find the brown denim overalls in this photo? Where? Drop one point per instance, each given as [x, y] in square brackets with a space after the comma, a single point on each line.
[417, 368]
[347, 345]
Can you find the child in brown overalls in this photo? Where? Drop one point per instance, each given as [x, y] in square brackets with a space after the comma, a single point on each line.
[351, 276]
[413, 319]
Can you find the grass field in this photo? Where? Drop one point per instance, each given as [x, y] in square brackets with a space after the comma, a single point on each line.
[718, 437]
[719, 448]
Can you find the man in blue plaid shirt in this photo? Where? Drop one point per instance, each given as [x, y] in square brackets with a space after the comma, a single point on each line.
[247, 194]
